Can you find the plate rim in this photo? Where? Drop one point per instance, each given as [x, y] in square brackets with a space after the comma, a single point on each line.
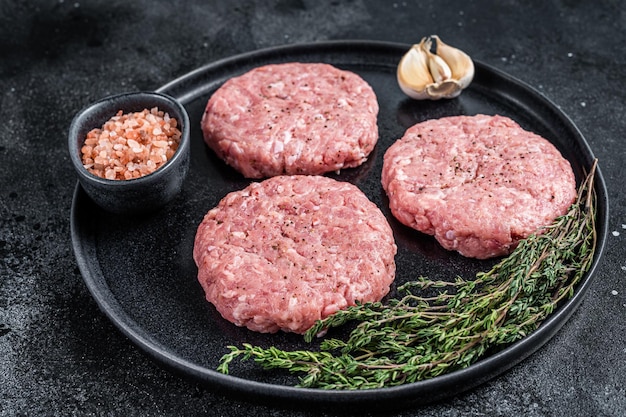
[478, 373]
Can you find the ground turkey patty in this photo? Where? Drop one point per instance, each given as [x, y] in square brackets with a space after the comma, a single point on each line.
[293, 118]
[479, 184]
[290, 250]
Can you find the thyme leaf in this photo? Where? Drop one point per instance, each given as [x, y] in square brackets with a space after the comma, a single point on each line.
[413, 337]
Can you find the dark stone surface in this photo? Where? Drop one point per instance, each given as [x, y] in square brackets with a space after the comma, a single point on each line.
[59, 355]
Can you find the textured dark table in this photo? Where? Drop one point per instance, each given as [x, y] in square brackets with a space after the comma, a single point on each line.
[59, 355]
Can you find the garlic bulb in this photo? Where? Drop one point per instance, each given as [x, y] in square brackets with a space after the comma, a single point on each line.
[433, 73]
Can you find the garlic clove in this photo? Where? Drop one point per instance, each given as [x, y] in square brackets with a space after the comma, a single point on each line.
[439, 70]
[413, 73]
[426, 74]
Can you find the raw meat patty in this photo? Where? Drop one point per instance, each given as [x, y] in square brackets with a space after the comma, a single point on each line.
[294, 118]
[290, 250]
[479, 184]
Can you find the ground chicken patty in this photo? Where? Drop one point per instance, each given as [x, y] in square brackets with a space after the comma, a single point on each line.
[283, 253]
[293, 118]
[479, 184]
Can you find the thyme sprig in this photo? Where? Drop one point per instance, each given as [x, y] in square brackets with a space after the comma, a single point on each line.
[415, 337]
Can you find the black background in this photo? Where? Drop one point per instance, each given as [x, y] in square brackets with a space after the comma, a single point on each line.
[59, 355]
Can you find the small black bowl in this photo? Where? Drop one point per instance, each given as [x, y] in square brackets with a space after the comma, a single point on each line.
[138, 195]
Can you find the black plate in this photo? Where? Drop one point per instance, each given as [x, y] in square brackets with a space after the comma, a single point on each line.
[141, 273]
